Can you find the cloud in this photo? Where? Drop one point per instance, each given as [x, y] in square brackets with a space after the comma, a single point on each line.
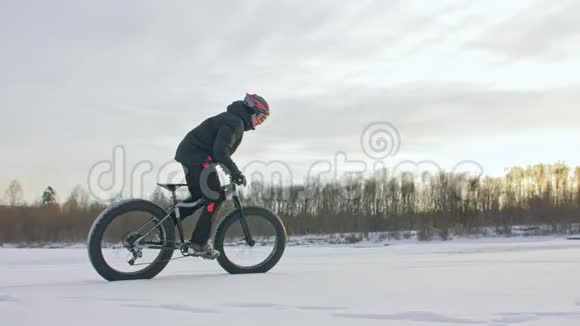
[428, 117]
[79, 78]
[546, 29]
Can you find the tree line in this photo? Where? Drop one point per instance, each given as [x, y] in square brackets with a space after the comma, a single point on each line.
[439, 205]
[436, 205]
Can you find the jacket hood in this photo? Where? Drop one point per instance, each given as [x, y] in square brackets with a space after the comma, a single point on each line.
[239, 109]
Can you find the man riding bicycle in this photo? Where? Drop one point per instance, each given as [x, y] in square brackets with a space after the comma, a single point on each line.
[214, 141]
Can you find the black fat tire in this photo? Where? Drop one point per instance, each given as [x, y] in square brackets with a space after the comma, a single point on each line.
[234, 216]
[106, 217]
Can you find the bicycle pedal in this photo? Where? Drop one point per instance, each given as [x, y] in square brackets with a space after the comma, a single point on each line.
[198, 254]
[190, 254]
[208, 258]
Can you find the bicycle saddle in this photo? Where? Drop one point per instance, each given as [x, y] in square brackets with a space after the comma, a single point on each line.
[171, 186]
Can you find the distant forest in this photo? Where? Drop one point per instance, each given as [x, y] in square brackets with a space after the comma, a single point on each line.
[440, 206]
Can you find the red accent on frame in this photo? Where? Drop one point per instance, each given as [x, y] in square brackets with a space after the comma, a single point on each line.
[210, 207]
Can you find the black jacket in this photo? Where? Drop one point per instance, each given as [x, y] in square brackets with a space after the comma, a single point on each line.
[218, 136]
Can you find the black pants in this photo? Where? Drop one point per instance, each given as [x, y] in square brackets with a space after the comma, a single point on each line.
[203, 181]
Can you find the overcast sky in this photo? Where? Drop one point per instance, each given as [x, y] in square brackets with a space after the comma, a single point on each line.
[496, 82]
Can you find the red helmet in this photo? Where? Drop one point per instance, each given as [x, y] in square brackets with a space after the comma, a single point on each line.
[259, 105]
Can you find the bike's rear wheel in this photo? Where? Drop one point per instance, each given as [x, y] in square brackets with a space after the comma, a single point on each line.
[131, 240]
[237, 256]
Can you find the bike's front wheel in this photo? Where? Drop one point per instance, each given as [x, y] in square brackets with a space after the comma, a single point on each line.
[240, 256]
[133, 239]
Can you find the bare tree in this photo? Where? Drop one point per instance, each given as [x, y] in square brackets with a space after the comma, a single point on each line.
[159, 198]
[77, 201]
[14, 194]
[577, 185]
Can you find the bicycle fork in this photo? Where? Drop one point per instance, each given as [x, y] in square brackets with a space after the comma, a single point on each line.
[245, 227]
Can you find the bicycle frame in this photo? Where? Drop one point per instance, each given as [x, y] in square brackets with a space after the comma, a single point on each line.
[230, 193]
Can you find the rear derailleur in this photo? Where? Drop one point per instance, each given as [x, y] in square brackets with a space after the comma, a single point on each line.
[133, 249]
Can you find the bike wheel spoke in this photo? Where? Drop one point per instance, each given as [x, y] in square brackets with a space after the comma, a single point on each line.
[120, 246]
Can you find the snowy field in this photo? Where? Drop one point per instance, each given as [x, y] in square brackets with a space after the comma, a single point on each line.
[486, 282]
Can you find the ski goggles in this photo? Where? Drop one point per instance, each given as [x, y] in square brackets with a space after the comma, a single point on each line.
[261, 117]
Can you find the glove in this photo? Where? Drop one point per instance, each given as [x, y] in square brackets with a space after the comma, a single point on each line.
[239, 179]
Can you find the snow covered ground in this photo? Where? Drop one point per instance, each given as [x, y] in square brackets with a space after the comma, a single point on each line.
[462, 282]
